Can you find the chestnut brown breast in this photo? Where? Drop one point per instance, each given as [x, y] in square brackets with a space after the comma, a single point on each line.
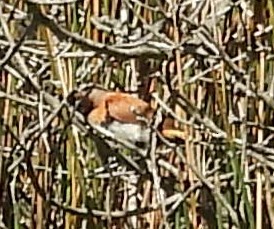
[100, 106]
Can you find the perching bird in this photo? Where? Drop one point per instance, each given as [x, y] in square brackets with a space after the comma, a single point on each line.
[126, 116]
[121, 113]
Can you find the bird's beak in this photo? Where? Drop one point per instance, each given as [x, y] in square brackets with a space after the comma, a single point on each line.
[71, 98]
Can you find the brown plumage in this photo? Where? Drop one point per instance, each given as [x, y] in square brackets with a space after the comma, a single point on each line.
[101, 106]
[121, 113]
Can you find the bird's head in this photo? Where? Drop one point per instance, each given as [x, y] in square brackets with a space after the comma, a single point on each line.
[86, 98]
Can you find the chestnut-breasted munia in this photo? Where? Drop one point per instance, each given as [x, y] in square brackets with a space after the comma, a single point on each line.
[121, 113]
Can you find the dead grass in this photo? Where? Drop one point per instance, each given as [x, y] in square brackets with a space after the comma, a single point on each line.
[211, 66]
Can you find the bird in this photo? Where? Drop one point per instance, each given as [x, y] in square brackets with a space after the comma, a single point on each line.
[121, 113]
[127, 117]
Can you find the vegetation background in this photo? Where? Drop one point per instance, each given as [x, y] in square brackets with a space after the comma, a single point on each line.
[209, 65]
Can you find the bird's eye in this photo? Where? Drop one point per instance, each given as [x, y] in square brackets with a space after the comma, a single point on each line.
[84, 106]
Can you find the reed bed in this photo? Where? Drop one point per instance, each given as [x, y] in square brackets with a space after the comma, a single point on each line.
[208, 64]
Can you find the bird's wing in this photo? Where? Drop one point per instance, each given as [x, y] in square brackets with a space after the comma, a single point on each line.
[126, 108]
[98, 115]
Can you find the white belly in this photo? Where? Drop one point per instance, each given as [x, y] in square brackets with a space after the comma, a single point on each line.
[132, 132]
